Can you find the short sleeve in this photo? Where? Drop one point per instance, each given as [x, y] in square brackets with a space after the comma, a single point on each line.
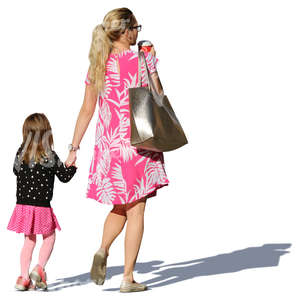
[151, 62]
[87, 79]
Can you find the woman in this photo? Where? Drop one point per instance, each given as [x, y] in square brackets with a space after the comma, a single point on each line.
[120, 174]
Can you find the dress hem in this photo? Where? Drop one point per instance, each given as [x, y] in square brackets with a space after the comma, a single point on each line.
[29, 233]
[151, 193]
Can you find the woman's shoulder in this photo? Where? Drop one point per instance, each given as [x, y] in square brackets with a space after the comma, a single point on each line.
[127, 53]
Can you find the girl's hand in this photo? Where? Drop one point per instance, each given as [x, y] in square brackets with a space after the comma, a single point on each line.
[71, 159]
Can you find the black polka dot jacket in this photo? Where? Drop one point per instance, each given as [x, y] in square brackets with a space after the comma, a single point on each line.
[35, 181]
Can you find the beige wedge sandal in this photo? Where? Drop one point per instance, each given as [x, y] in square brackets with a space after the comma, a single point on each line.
[98, 270]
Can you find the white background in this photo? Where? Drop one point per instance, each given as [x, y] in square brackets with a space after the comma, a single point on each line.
[221, 227]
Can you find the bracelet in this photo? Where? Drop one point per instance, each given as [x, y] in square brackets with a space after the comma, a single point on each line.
[73, 148]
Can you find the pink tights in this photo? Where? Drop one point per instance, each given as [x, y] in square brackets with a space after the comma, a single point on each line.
[27, 250]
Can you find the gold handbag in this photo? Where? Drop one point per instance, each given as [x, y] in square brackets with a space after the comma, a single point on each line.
[154, 125]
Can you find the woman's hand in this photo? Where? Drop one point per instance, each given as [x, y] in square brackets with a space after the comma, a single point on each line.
[71, 159]
[152, 51]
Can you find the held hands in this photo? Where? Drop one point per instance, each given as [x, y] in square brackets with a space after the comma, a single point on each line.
[71, 159]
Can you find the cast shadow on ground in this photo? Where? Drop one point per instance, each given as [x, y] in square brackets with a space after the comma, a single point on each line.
[267, 255]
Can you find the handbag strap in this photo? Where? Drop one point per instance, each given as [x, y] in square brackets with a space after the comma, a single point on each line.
[148, 75]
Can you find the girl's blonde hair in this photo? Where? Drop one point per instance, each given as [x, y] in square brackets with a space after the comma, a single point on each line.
[114, 24]
[37, 138]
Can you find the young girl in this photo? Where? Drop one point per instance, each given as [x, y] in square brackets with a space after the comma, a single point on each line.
[35, 166]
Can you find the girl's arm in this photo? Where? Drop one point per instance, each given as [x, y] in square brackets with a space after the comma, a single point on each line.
[83, 120]
[64, 174]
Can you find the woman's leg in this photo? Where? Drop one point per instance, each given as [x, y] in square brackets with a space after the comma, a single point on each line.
[134, 234]
[46, 249]
[26, 254]
[113, 226]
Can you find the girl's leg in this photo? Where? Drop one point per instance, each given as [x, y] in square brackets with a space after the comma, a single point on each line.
[26, 254]
[133, 237]
[113, 226]
[46, 249]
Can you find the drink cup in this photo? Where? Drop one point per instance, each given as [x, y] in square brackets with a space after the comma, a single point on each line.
[145, 46]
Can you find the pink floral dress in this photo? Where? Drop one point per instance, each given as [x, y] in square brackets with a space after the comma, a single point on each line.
[120, 173]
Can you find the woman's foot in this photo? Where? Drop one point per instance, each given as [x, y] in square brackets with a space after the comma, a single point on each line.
[130, 285]
[23, 284]
[39, 275]
[98, 270]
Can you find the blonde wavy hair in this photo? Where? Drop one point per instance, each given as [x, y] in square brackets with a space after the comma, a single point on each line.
[114, 24]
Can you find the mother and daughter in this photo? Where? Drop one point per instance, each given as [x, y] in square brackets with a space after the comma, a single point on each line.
[119, 175]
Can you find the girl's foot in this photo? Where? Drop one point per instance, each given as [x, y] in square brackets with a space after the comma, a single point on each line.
[23, 284]
[39, 275]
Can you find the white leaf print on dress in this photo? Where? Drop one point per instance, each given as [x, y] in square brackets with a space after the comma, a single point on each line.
[104, 160]
[123, 97]
[105, 191]
[140, 189]
[154, 173]
[131, 82]
[105, 113]
[144, 154]
[112, 67]
[113, 139]
[107, 87]
[127, 151]
[120, 182]
[94, 177]
[100, 139]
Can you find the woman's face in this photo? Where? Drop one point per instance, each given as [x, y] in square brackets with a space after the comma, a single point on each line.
[132, 35]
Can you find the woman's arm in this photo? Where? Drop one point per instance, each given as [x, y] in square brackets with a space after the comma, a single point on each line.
[85, 115]
[157, 84]
[155, 78]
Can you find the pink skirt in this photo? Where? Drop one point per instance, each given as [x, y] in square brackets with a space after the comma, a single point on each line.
[29, 219]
